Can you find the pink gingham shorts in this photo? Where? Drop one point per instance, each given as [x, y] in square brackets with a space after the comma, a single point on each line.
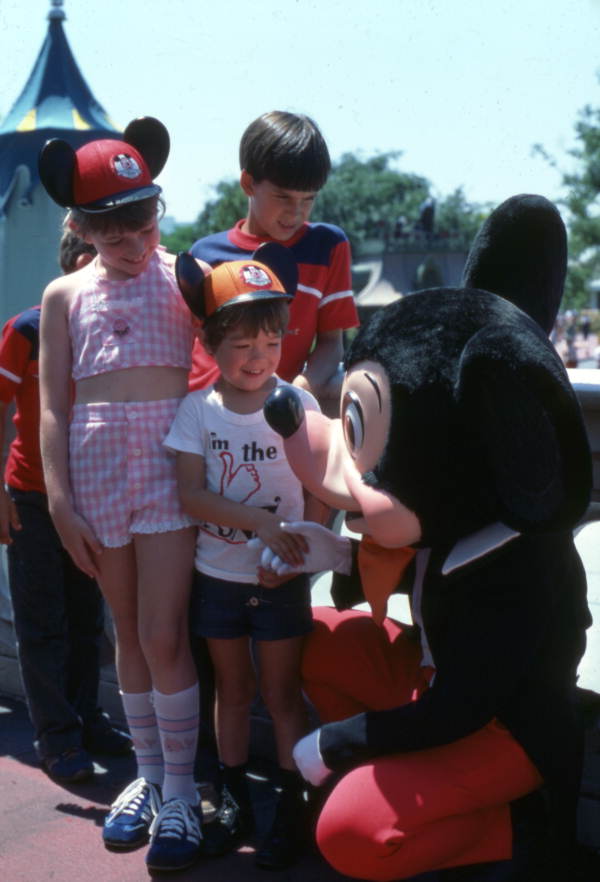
[122, 478]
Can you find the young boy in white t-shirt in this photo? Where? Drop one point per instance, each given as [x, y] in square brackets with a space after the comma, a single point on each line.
[235, 480]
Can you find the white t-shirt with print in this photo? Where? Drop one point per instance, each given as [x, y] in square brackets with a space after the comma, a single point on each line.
[245, 461]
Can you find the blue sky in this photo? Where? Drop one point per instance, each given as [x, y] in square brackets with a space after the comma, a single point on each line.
[463, 89]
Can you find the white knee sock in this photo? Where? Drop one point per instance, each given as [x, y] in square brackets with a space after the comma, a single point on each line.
[177, 717]
[141, 720]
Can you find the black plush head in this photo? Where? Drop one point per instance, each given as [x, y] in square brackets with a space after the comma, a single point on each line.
[485, 425]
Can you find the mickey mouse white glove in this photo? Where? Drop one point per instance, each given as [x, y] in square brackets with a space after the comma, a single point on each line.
[307, 756]
[327, 550]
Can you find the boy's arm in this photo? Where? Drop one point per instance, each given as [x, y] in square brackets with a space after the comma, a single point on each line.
[203, 504]
[315, 510]
[15, 352]
[55, 403]
[337, 313]
[8, 510]
[322, 365]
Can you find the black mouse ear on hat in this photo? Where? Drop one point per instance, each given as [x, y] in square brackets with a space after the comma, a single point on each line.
[56, 164]
[190, 279]
[151, 138]
[281, 261]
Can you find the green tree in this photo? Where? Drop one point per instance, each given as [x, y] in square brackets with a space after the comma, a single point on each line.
[582, 186]
[180, 238]
[459, 220]
[220, 213]
[365, 197]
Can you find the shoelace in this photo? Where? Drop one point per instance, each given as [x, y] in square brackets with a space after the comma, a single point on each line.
[130, 800]
[175, 819]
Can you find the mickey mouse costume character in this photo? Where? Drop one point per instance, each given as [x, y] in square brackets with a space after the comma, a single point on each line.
[462, 457]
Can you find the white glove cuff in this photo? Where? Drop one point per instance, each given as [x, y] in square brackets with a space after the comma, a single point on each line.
[307, 756]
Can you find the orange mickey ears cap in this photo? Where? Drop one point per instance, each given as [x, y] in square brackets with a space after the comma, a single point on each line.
[271, 273]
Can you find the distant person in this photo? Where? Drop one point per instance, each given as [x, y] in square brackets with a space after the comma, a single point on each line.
[426, 217]
[57, 610]
[585, 326]
[400, 228]
[235, 480]
[284, 163]
[571, 336]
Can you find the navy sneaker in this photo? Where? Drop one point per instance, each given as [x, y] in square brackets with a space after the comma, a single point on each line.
[176, 836]
[74, 764]
[230, 826]
[128, 822]
[99, 736]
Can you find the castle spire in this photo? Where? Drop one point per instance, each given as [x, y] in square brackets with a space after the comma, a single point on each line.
[56, 101]
[56, 11]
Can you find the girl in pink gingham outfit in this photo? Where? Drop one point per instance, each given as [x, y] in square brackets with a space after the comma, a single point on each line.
[120, 330]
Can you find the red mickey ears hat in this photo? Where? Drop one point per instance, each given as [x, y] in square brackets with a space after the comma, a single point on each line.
[106, 173]
[271, 273]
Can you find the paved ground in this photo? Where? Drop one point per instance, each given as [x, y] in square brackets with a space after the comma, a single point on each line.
[52, 833]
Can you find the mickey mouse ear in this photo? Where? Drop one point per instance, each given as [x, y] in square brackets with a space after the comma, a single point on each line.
[520, 253]
[56, 164]
[190, 280]
[151, 138]
[280, 260]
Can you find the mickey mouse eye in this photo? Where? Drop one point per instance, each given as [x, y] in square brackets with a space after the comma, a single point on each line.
[353, 422]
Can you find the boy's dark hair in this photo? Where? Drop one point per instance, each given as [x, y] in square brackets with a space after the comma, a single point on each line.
[71, 247]
[250, 317]
[130, 216]
[287, 149]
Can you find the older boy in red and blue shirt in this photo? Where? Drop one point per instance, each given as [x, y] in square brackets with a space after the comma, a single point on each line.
[285, 162]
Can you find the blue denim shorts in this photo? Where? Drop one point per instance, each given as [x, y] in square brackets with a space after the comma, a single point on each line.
[225, 610]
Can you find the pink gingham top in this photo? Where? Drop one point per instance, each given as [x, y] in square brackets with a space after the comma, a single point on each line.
[137, 322]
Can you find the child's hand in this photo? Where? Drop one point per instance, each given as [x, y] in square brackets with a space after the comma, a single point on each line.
[270, 579]
[290, 547]
[325, 550]
[79, 540]
[9, 517]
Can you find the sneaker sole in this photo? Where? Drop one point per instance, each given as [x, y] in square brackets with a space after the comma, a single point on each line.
[161, 868]
[102, 751]
[125, 846]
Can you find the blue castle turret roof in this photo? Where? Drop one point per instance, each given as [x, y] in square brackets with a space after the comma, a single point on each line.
[56, 102]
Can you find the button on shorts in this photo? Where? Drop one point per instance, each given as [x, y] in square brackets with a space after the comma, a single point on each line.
[223, 610]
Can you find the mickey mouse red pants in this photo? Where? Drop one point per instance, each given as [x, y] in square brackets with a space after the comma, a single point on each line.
[404, 814]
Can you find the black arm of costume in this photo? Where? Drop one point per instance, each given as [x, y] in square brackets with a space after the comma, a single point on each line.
[507, 633]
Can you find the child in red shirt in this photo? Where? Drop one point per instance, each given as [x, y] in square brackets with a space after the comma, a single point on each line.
[58, 611]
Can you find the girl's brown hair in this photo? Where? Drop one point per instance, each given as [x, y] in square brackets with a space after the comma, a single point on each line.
[131, 216]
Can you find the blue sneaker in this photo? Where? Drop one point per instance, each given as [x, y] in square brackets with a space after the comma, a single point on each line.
[128, 822]
[176, 836]
[69, 766]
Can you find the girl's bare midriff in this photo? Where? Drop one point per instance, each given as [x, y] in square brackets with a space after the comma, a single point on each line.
[133, 384]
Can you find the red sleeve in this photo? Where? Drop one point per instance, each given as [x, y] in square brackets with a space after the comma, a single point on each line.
[204, 370]
[337, 310]
[15, 353]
